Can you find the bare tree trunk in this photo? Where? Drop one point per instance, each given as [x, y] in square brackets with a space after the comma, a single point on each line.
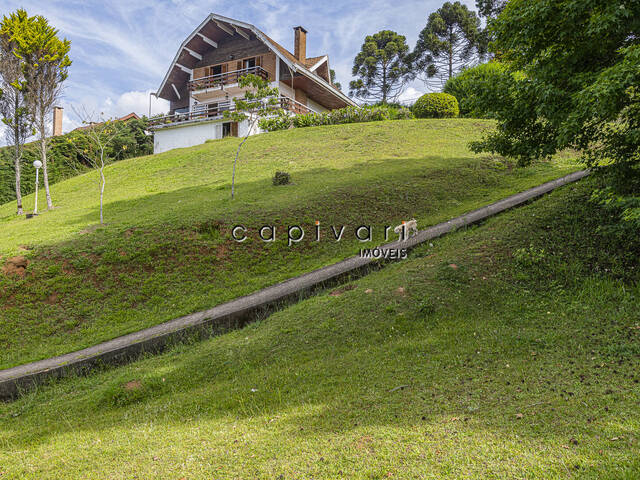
[233, 176]
[103, 181]
[18, 155]
[450, 52]
[45, 169]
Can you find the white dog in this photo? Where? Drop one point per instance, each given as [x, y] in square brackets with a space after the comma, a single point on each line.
[410, 227]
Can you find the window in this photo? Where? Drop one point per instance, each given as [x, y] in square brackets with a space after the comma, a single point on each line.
[249, 63]
[230, 129]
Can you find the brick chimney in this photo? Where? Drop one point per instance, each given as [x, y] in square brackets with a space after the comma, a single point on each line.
[300, 43]
[57, 121]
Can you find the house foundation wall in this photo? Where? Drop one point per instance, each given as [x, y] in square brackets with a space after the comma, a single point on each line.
[166, 139]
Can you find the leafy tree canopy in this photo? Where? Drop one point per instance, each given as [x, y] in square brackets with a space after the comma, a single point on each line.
[382, 67]
[580, 64]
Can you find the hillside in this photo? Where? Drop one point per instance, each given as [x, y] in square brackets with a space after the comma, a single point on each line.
[511, 352]
[166, 250]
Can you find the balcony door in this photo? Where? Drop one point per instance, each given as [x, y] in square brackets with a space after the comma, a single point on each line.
[248, 63]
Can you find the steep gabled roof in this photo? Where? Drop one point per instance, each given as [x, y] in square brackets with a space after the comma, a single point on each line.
[313, 62]
[287, 57]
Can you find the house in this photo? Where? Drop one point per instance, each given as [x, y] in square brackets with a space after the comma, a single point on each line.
[126, 118]
[203, 79]
[58, 112]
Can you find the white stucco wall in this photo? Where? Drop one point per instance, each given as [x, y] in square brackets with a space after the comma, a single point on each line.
[166, 139]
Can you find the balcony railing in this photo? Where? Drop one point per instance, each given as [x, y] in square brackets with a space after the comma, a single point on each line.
[227, 78]
[205, 112]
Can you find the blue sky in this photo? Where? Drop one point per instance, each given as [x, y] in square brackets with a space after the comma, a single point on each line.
[121, 49]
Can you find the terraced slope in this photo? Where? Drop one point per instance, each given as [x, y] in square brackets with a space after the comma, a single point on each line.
[167, 251]
[510, 350]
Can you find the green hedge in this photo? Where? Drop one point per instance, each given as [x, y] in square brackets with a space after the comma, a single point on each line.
[373, 113]
[475, 88]
[64, 158]
[436, 105]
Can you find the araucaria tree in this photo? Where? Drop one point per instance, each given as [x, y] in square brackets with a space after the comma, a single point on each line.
[13, 107]
[46, 65]
[259, 100]
[451, 41]
[382, 67]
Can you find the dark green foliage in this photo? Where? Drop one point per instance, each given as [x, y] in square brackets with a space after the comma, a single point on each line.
[372, 113]
[281, 178]
[66, 159]
[450, 41]
[381, 67]
[436, 105]
[476, 88]
[578, 60]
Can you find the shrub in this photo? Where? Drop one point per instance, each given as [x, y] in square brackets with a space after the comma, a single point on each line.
[281, 178]
[475, 87]
[280, 122]
[436, 105]
[367, 113]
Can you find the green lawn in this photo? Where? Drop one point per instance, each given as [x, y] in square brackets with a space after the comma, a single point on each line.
[167, 251]
[513, 351]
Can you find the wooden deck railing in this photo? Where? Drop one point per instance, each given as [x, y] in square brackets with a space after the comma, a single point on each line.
[204, 112]
[226, 78]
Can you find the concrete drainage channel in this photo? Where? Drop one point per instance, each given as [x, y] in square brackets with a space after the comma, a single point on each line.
[243, 310]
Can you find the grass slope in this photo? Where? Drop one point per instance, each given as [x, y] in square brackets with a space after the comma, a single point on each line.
[519, 361]
[167, 251]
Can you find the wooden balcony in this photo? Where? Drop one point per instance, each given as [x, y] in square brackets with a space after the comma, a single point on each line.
[204, 112]
[227, 78]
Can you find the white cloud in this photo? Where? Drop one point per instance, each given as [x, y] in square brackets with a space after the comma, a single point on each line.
[410, 95]
[137, 102]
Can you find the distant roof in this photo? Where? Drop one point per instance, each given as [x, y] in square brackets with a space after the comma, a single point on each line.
[126, 118]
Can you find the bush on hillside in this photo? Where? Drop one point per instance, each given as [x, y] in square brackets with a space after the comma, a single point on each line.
[475, 87]
[281, 178]
[369, 113]
[65, 157]
[436, 105]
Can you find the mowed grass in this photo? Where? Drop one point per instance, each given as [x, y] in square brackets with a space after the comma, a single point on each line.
[512, 351]
[167, 251]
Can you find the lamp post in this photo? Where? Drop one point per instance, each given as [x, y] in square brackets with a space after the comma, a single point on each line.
[37, 164]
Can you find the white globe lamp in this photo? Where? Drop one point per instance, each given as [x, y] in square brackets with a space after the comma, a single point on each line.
[37, 164]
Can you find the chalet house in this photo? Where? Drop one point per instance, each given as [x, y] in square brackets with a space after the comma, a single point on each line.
[203, 80]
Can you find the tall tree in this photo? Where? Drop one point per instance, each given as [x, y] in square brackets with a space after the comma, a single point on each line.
[451, 40]
[46, 65]
[12, 102]
[578, 87]
[383, 66]
[13, 108]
